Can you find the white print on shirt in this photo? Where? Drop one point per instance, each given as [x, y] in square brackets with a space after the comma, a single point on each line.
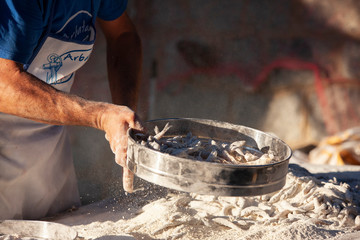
[78, 24]
[79, 30]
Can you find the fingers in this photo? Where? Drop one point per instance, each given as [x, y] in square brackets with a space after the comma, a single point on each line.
[120, 158]
[116, 127]
[121, 151]
[128, 180]
[128, 176]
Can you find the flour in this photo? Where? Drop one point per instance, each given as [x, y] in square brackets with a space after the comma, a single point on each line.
[310, 206]
[306, 208]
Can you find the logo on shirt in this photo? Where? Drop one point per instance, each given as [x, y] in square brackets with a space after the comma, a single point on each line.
[66, 60]
[55, 63]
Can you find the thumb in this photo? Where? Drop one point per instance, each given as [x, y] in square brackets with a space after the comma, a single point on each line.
[136, 124]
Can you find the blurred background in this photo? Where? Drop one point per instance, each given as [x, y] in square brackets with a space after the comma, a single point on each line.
[289, 67]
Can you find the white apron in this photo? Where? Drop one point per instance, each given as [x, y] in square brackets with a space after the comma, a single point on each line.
[37, 176]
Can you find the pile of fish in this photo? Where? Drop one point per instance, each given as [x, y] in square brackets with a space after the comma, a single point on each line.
[204, 149]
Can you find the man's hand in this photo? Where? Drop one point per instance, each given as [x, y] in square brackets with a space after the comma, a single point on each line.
[116, 121]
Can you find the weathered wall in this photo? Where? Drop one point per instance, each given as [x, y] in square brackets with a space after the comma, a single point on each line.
[259, 63]
[250, 62]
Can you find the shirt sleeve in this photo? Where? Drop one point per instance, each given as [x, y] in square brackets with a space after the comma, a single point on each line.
[111, 9]
[21, 27]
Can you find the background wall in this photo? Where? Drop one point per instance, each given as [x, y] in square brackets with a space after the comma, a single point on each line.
[290, 67]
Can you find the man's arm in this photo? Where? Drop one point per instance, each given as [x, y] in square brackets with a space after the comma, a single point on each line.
[24, 95]
[124, 58]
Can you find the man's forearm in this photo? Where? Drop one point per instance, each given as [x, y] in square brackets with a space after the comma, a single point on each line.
[24, 95]
[124, 58]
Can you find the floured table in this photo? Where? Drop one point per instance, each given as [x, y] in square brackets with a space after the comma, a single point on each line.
[317, 202]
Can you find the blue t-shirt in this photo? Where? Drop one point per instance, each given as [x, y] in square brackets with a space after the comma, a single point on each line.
[23, 23]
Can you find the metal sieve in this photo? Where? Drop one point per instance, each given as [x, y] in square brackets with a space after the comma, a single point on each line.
[208, 177]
